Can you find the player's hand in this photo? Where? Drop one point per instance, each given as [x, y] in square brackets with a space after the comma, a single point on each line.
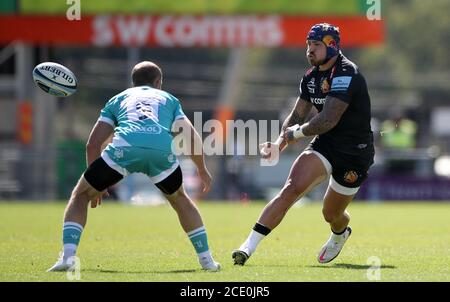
[206, 179]
[98, 200]
[270, 151]
[266, 149]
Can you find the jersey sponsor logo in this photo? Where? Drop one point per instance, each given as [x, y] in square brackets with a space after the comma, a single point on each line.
[341, 83]
[318, 101]
[325, 86]
[148, 129]
[350, 177]
[361, 146]
[311, 86]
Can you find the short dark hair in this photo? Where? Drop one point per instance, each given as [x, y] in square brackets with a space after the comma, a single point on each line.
[145, 73]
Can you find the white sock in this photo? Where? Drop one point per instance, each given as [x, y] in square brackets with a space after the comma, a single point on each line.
[338, 237]
[69, 250]
[205, 257]
[253, 239]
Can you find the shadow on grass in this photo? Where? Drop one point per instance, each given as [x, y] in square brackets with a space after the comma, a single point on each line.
[107, 271]
[351, 266]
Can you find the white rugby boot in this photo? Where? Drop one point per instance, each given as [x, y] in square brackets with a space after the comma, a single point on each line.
[63, 265]
[208, 264]
[333, 246]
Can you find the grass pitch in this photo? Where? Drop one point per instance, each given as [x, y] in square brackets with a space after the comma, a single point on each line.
[127, 243]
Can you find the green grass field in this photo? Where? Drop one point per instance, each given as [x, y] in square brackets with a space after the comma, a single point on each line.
[317, 8]
[127, 243]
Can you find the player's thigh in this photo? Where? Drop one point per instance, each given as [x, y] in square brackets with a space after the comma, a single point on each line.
[335, 203]
[163, 169]
[98, 177]
[172, 185]
[307, 171]
[84, 189]
[343, 186]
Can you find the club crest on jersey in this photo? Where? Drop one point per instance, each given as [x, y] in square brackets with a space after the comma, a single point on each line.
[311, 86]
[171, 158]
[118, 153]
[350, 176]
[325, 86]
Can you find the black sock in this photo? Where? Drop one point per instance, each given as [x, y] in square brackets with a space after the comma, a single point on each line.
[340, 233]
[261, 229]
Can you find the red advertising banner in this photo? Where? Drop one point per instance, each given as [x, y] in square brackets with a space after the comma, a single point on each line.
[185, 31]
[25, 122]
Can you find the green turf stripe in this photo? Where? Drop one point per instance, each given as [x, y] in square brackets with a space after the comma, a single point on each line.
[289, 7]
[416, 248]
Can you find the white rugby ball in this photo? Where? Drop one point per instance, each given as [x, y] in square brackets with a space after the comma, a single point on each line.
[55, 79]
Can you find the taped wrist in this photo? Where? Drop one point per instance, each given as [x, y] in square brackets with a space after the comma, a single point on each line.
[298, 132]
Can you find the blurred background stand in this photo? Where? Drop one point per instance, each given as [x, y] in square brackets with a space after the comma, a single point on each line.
[240, 61]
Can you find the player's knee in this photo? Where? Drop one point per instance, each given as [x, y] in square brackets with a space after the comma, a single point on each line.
[176, 196]
[288, 195]
[180, 200]
[329, 216]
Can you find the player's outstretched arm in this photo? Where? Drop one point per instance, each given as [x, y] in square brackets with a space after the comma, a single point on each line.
[99, 134]
[297, 116]
[185, 128]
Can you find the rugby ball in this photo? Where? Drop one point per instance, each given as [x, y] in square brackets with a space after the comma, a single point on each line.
[55, 79]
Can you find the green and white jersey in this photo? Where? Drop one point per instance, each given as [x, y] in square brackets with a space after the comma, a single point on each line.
[142, 117]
